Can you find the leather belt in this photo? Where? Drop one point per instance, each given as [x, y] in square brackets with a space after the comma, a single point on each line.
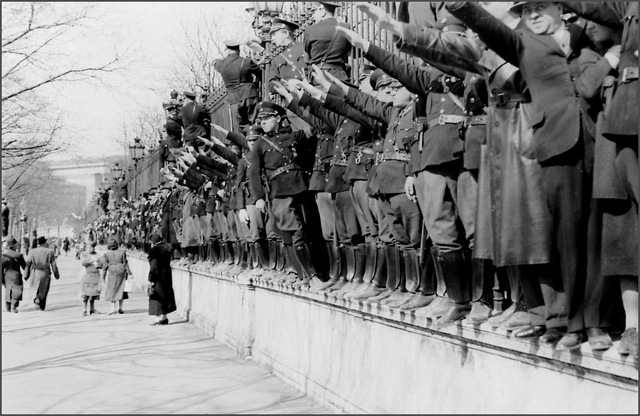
[505, 97]
[400, 156]
[338, 162]
[628, 74]
[447, 119]
[331, 66]
[283, 169]
[476, 120]
[362, 149]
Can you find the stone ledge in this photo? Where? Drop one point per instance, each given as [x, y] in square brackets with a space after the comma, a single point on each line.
[283, 328]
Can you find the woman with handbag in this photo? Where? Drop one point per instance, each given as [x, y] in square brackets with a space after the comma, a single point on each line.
[162, 300]
[90, 278]
[115, 272]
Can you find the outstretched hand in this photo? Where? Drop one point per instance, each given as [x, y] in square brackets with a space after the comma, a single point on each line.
[355, 39]
[344, 87]
[380, 17]
[220, 129]
[320, 78]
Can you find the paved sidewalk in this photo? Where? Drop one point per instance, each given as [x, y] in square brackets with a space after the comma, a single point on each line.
[58, 361]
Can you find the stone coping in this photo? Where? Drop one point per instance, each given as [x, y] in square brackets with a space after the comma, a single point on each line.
[607, 367]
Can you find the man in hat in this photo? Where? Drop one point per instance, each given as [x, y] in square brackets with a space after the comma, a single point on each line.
[289, 64]
[41, 262]
[238, 75]
[282, 156]
[12, 261]
[195, 120]
[5, 217]
[563, 135]
[323, 45]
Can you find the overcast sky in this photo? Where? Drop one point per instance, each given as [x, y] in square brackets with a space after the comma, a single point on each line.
[97, 112]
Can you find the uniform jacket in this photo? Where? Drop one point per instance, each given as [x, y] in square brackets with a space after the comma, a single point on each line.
[237, 74]
[230, 183]
[244, 196]
[291, 153]
[42, 261]
[195, 120]
[283, 70]
[441, 143]
[348, 133]
[317, 44]
[400, 131]
[324, 146]
[559, 117]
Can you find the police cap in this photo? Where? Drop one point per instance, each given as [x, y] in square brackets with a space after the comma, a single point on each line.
[232, 44]
[380, 79]
[190, 94]
[267, 108]
[366, 70]
[278, 24]
[329, 5]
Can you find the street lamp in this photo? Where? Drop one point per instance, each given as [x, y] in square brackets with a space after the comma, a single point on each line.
[136, 150]
[116, 172]
[265, 11]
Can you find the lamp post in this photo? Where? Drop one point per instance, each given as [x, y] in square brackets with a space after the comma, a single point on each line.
[136, 150]
[265, 11]
[116, 174]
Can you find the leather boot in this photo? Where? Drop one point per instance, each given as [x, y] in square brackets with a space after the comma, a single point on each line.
[281, 259]
[410, 276]
[393, 281]
[293, 269]
[303, 256]
[357, 284]
[244, 255]
[261, 256]
[456, 276]
[379, 278]
[441, 287]
[371, 251]
[273, 254]
[350, 255]
[455, 313]
[418, 301]
[342, 271]
[482, 280]
[334, 259]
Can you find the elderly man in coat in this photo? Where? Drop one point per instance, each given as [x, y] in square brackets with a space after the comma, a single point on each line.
[41, 261]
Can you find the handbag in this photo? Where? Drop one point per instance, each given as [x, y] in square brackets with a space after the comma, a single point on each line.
[129, 287]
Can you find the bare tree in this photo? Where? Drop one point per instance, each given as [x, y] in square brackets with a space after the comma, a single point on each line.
[35, 58]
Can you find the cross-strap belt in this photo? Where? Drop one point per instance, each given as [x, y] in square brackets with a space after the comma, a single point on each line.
[628, 74]
[283, 169]
[446, 119]
[476, 121]
[399, 156]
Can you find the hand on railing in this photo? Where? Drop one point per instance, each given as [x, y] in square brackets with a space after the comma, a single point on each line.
[355, 39]
[380, 18]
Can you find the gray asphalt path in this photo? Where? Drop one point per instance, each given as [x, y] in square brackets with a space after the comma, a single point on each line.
[58, 361]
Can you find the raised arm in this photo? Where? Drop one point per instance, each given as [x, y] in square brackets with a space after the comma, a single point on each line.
[369, 106]
[505, 41]
[316, 108]
[335, 101]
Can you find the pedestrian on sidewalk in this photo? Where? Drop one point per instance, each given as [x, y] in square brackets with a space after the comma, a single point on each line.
[90, 278]
[12, 261]
[162, 300]
[114, 272]
[42, 262]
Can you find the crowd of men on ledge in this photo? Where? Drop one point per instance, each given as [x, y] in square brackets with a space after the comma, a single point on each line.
[491, 177]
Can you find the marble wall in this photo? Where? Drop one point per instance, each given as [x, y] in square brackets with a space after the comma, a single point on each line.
[356, 358]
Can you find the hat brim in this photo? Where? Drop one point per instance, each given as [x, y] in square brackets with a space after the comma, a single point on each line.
[267, 114]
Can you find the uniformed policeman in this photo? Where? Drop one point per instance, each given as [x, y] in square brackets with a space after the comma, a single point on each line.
[238, 75]
[323, 45]
[280, 154]
[195, 120]
[289, 64]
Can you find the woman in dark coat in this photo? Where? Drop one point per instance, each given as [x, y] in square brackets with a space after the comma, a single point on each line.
[12, 261]
[162, 300]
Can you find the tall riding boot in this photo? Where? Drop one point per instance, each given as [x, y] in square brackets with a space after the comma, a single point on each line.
[283, 263]
[350, 256]
[456, 275]
[371, 250]
[334, 269]
[392, 280]
[399, 287]
[8, 305]
[411, 276]
[360, 259]
[244, 255]
[303, 255]
[482, 278]
[292, 270]
[441, 303]
[215, 251]
[426, 290]
[378, 284]
[342, 275]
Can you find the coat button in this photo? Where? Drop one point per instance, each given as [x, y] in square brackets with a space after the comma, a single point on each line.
[472, 100]
[442, 111]
[443, 99]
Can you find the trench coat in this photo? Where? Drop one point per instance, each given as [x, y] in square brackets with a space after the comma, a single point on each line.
[116, 269]
[162, 300]
[90, 275]
[41, 263]
[12, 261]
